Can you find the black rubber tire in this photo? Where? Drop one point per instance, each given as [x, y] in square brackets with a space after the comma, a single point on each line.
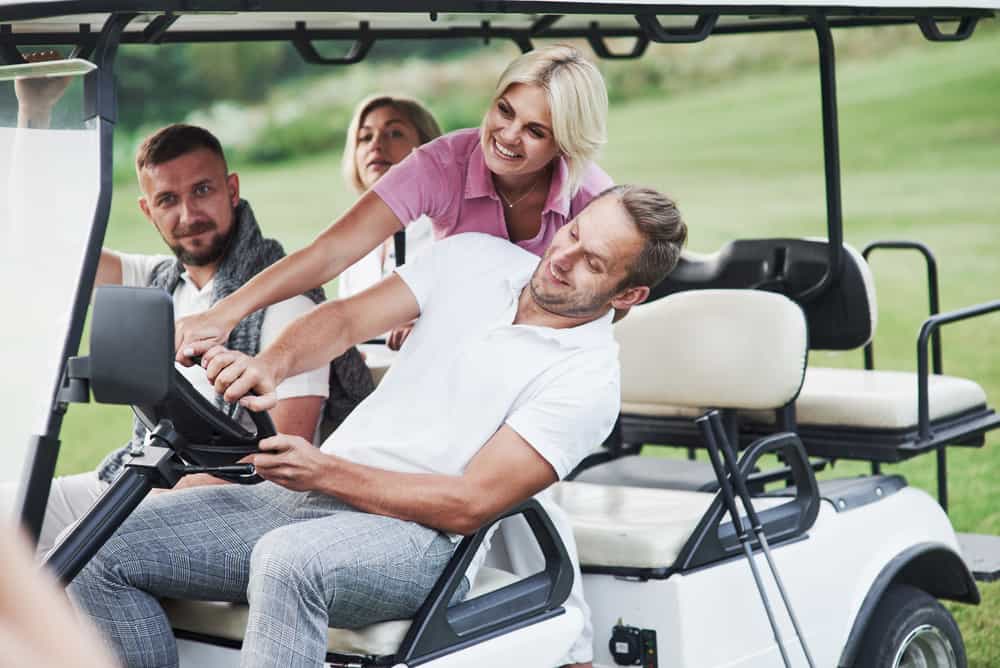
[901, 610]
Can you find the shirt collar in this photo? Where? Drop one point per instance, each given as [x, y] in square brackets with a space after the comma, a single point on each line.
[479, 182]
[588, 335]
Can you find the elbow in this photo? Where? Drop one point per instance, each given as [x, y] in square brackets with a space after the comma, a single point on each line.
[472, 513]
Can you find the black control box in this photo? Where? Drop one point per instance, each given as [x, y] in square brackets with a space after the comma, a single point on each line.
[631, 646]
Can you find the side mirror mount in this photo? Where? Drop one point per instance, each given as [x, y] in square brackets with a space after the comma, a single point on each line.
[131, 345]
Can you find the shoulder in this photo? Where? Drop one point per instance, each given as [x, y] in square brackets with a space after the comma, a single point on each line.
[137, 269]
[593, 182]
[486, 250]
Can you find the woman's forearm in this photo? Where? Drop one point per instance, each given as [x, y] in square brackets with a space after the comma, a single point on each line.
[365, 225]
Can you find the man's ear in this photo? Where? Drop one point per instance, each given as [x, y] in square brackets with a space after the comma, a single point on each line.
[628, 298]
[233, 185]
[144, 207]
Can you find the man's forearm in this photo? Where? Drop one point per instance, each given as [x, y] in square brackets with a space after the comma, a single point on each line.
[442, 502]
[309, 342]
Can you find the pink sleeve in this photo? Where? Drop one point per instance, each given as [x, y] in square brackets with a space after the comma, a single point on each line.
[423, 184]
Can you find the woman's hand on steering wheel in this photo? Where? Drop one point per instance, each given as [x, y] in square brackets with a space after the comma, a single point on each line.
[237, 377]
[195, 335]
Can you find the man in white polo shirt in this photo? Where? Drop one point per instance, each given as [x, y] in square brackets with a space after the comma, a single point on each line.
[509, 378]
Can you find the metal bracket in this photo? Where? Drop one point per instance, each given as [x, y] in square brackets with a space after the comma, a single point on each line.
[655, 30]
[600, 45]
[99, 85]
[158, 27]
[932, 31]
[9, 54]
[358, 51]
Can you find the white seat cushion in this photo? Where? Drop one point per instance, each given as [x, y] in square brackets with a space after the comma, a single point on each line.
[229, 620]
[634, 527]
[876, 399]
[721, 348]
[661, 410]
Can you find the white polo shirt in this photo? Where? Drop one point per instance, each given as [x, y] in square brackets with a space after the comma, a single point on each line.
[189, 300]
[466, 370]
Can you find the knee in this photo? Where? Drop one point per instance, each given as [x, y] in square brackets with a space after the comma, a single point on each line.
[281, 559]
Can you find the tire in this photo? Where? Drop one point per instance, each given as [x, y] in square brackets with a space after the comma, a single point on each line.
[910, 629]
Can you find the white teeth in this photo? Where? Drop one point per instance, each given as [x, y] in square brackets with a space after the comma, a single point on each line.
[504, 152]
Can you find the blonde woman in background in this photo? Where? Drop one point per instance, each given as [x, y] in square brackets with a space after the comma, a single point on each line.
[383, 130]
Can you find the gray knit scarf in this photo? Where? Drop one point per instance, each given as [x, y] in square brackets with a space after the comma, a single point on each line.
[248, 253]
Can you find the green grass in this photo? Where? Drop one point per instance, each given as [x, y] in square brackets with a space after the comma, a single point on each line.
[920, 140]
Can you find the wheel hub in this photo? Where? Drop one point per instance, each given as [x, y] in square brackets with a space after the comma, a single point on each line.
[925, 647]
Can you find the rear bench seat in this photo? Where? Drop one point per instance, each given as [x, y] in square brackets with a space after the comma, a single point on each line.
[839, 413]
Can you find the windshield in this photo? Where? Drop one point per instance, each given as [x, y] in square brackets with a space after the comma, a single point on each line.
[49, 183]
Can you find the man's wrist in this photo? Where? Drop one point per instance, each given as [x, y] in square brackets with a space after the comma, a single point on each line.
[277, 360]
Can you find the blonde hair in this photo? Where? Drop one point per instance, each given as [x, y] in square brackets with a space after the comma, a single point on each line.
[416, 113]
[578, 102]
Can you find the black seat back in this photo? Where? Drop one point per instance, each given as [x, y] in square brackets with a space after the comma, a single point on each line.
[841, 318]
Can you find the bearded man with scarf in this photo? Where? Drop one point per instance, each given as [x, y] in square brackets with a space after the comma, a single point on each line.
[193, 202]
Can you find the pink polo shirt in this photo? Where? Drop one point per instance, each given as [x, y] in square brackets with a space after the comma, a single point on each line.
[447, 180]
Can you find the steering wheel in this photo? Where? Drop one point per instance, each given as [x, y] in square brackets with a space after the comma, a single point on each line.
[211, 438]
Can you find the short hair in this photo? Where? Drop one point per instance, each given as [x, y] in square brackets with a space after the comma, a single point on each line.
[423, 120]
[663, 230]
[174, 141]
[578, 102]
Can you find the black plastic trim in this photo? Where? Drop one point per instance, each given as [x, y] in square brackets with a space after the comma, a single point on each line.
[363, 43]
[932, 31]
[699, 32]
[714, 540]
[9, 53]
[933, 567]
[439, 629]
[600, 46]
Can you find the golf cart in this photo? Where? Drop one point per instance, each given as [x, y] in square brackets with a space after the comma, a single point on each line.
[663, 563]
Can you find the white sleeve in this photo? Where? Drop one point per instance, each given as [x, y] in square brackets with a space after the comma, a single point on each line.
[568, 411]
[136, 268]
[314, 383]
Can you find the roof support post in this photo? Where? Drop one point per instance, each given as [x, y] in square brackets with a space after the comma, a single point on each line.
[831, 159]
[101, 106]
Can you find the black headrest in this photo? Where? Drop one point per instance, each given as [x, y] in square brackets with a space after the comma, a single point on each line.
[841, 318]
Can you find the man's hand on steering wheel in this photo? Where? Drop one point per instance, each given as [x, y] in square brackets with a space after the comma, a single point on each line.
[290, 461]
[239, 377]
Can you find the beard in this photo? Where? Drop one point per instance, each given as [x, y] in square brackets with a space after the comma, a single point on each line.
[209, 252]
[568, 303]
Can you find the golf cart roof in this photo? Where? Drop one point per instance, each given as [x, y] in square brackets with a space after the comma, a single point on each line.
[158, 21]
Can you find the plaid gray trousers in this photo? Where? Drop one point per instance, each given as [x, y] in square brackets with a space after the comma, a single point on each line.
[303, 561]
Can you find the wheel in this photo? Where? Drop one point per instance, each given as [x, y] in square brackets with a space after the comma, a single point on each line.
[910, 629]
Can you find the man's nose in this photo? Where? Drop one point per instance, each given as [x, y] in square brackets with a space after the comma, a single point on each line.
[189, 210]
[563, 259]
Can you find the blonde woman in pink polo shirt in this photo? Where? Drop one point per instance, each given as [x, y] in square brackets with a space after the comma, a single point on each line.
[523, 174]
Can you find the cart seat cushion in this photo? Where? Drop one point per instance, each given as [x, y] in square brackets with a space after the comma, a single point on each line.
[661, 410]
[720, 348]
[633, 527]
[877, 399]
[229, 620]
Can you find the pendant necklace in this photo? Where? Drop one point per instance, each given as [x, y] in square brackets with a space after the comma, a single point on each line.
[510, 204]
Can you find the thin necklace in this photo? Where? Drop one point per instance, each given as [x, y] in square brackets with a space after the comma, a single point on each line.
[506, 200]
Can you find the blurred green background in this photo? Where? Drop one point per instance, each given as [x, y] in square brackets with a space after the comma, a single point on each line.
[730, 128]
